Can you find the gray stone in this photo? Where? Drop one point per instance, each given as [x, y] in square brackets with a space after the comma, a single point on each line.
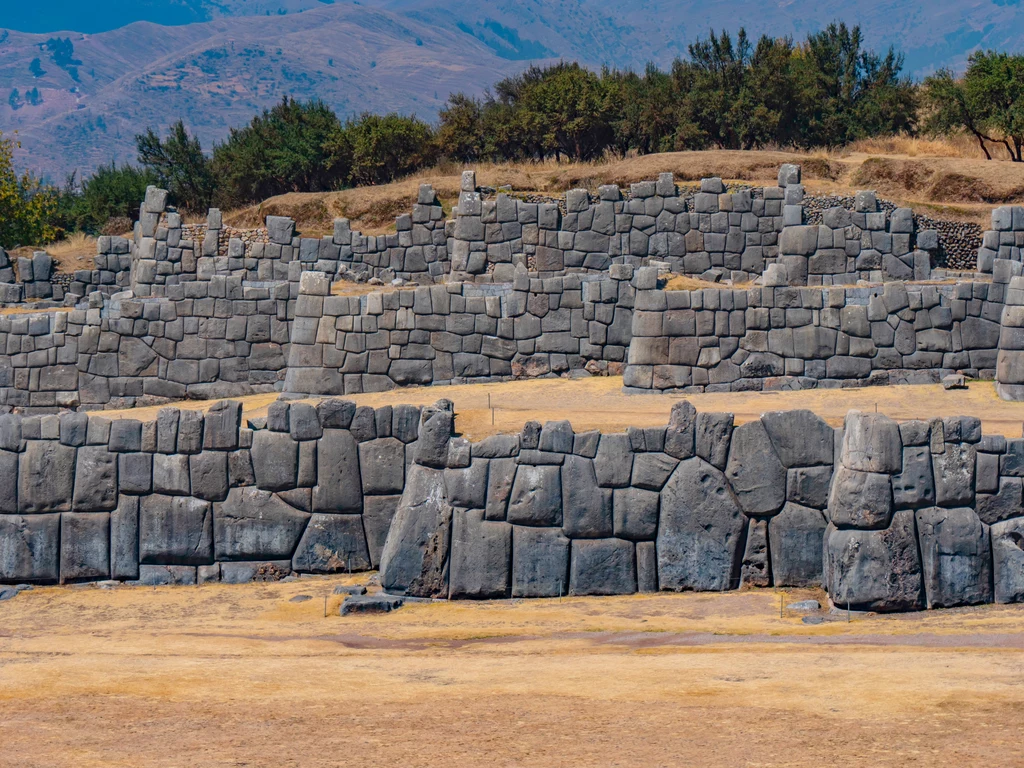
[809, 486]
[795, 537]
[415, 556]
[586, 508]
[540, 562]
[755, 570]
[254, 570]
[646, 566]
[956, 559]
[860, 499]
[801, 438]
[481, 554]
[135, 473]
[29, 548]
[467, 487]
[175, 530]
[712, 438]
[652, 470]
[875, 570]
[378, 512]
[755, 472]
[275, 460]
[252, 524]
[700, 536]
[536, 497]
[914, 487]
[84, 547]
[1004, 504]
[679, 437]
[382, 464]
[871, 443]
[614, 461]
[95, 480]
[355, 604]
[338, 487]
[46, 477]
[557, 437]
[954, 475]
[500, 476]
[436, 428]
[1008, 560]
[170, 474]
[124, 539]
[209, 475]
[635, 513]
[281, 229]
[602, 567]
[167, 575]
[332, 544]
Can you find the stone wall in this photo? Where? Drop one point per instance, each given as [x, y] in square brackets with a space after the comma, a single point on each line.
[206, 339]
[886, 516]
[459, 332]
[190, 497]
[798, 338]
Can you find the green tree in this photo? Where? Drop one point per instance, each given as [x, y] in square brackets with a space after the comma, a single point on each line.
[294, 147]
[27, 208]
[179, 165]
[460, 135]
[987, 103]
[385, 147]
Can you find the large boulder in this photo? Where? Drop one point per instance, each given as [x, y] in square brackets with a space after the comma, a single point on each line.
[801, 438]
[536, 496]
[755, 472]
[956, 558]
[378, 512]
[480, 555]
[871, 443]
[914, 487]
[586, 508]
[875, 570]
[95, 479]
[46, 477]
[795, 538]
[29, 548]
[700, 536]
[382, 463]
[338, 487]
[860, 499]
[175, 530]
[275, 460]
[540, 562]
[954, 475]
[252, 524]
[84, 546]
[1008, 560]
[415, 556]
[602, 567]
[332, 544]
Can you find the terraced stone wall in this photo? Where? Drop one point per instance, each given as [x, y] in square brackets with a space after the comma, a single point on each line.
[799, 338]
[190, 497]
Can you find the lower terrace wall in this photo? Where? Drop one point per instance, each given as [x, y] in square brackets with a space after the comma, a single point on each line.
[887, 516]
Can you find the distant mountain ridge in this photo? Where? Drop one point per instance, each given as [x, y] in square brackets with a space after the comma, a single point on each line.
[78, 99]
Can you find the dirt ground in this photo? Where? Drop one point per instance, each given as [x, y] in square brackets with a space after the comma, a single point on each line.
[599, 403]
[242, 676]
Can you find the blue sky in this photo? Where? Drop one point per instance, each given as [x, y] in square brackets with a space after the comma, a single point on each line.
[91, 15]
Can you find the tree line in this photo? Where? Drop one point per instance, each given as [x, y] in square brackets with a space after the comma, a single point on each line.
[729, 92]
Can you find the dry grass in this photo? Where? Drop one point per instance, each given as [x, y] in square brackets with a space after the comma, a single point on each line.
[946, 177]
[239, 675]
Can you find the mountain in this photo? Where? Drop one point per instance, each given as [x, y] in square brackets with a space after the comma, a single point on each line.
[77, 99]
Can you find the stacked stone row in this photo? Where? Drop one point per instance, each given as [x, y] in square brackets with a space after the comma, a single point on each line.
[924, 514]
[730, 234]
[1004, 241]
[456, 332]
[10, 291]
[696, 505]
[787, 337]
[215, 338]
[191, 497]
[111, 271]
[863, 244]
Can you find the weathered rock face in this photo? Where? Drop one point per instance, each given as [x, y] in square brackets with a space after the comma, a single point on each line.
[29, 548]
[256, 525]
[860, 499]
[481, 556]
[955, 556]
[755, 472]
[415, 556]
[536, 496]
[700, 536]
[1008, 560]
[602, 567]
[175, 530]
[795, 537]
[540, 562]
[877, 570]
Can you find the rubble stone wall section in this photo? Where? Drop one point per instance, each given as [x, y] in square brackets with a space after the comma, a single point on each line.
[800, 338]
[207, 339]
